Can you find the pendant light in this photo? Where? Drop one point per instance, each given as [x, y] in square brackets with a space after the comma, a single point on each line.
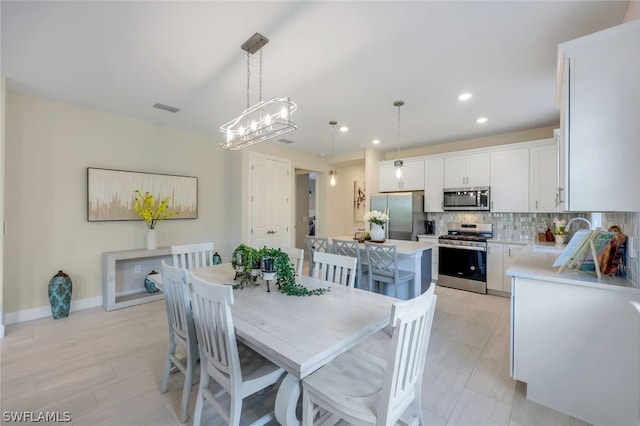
[398, 164]
[264, 120]
[332, 172]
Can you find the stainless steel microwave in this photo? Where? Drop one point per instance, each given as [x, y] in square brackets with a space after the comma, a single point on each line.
[477, 198]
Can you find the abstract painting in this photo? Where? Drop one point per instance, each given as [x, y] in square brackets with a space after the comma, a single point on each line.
[359, 199]
[111, 193]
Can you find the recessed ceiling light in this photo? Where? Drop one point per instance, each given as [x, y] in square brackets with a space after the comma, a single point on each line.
[464, 97]
[344, 129]
[375, 141]
[481, 120]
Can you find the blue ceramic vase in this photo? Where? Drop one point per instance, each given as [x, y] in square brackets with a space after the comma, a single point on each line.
[149, 285]
[60, 288]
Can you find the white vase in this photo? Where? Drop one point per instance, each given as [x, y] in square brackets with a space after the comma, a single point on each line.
[376, 232]
[152, 240]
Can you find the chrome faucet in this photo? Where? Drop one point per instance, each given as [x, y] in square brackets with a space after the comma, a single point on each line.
[566, 228]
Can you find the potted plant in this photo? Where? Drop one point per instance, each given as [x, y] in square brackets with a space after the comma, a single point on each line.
[246, 260]
[283, 268]
[377, 220]
[559, 232]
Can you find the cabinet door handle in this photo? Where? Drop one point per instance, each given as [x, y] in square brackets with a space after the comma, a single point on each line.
[509, 251]
[536, 204]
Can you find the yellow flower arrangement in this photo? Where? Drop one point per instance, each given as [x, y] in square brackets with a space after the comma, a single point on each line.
[151, 213]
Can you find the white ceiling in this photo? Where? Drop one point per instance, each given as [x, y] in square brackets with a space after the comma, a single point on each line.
[344, 61]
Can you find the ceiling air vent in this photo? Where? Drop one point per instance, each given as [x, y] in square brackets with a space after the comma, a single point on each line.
[166, 108]
[287, 141]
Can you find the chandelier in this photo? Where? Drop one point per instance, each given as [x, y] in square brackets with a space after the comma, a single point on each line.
[333, 173]
[398, 164]
[264, 120]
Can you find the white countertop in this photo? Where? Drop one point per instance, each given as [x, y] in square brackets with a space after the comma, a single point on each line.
[535, 264]
[402, 246]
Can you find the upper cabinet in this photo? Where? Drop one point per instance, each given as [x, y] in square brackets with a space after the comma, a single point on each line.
[543, 190]
[461, 171]
[598, 97]
[510, 180]
[412, 176]
[433, 184]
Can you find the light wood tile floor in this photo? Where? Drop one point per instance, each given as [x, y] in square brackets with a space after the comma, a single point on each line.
[105, 368]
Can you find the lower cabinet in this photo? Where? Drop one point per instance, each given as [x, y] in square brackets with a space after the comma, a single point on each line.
[434, 254]
[499, 257]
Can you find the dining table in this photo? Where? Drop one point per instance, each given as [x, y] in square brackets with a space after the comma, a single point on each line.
[299, 333]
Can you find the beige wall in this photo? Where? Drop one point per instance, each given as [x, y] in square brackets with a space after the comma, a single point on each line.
[49, 145]
[340, 202]
[633, 11]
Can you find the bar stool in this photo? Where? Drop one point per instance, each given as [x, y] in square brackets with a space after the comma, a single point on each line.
[383, 266]
[352, 248]
[315, 244]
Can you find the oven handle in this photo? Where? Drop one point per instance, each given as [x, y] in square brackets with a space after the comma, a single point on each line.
[471, 248]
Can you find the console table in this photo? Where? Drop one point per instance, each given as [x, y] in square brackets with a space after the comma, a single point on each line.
[123, 274]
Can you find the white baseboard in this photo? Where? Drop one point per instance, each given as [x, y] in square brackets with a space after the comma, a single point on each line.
[45, 311]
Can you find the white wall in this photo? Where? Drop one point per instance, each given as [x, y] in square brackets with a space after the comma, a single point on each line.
[2, 180]
[49, 145]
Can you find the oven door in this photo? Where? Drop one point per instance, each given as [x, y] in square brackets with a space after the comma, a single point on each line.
[464, 268]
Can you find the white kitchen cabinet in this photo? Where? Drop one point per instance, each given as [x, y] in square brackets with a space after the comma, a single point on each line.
[499, 257]
[462, 171]
[433, 184]
[576, 348]
[543, 190]
[433, 239]
[271, 189]
[510, 180]
[598, 98]
[412, 176]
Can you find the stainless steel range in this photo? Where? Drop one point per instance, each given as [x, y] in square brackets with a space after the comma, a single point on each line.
[462, 260]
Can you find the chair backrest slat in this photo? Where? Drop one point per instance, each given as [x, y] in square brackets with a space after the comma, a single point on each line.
[412, 321]
[190, 256]
[316, 244]
[334, 268]
[214, 325]
[176, 296]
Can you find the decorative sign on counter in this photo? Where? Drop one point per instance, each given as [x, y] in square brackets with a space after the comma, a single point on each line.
[584, 243]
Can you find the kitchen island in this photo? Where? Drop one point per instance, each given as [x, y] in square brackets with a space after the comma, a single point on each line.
[575, 339]
[412, 256]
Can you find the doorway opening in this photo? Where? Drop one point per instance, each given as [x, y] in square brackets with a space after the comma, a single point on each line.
[305, 211]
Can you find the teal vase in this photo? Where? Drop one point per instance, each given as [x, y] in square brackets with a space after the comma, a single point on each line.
[60, 287]
[149, 285]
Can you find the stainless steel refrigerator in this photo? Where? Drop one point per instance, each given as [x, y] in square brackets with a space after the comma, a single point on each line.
[406, 213]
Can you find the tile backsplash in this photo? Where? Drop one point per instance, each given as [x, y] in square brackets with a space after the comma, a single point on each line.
[522, 227]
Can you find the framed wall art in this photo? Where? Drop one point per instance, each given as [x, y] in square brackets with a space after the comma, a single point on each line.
[110, 193]
[359, 199]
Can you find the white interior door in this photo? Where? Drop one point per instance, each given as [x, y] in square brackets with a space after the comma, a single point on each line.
[270, 202]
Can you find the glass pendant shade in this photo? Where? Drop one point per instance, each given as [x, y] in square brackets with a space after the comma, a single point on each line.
[332, 177]
[263, 121]
[398, 164]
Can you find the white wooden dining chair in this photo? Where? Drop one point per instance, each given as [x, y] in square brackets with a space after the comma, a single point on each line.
[237, 368]
[352, 248]
[363, 389]
[189, 256]
[315, 244]
[334, 268]
[296, 256]
[383, 266]
[182, 333]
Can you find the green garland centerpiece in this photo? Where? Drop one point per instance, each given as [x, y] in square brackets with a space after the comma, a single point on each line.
[245, 258]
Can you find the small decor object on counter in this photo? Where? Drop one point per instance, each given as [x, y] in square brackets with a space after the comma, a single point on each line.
[377, 220]
[149, 285]
[60, 288]
[560, 234]
[217, 259]
[611, 259]
[151, 212]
